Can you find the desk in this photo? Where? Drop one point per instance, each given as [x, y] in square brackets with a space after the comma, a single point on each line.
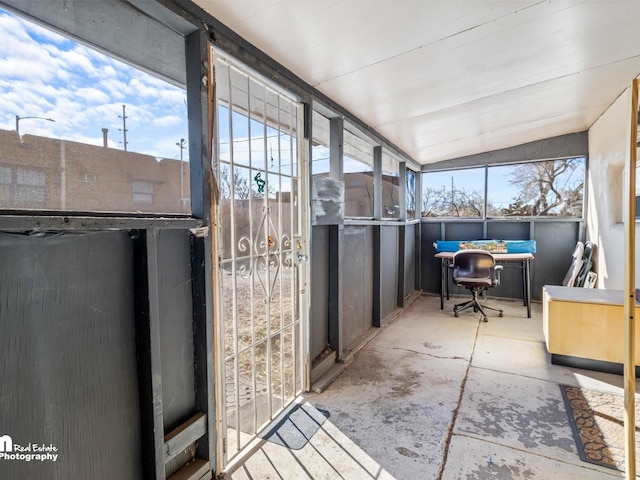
[523, 258]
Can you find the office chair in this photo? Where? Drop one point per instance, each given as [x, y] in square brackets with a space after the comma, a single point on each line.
[475, 270]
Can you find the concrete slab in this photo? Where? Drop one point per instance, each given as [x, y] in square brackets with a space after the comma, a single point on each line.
[425, 329]
[520, 412]
[473, 459]
[520, 357]
[392, 408]
[396, 405]
[515, 324]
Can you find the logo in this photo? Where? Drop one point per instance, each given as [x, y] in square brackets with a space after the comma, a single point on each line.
[29, 452]
[6, 444]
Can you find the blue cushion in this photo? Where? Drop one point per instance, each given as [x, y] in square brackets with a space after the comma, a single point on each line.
[513, 246]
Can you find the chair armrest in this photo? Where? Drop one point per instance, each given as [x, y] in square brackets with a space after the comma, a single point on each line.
[496, 274]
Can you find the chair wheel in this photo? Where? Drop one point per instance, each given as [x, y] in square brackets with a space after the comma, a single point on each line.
[485, 319]
[455, 312]
[500, 314]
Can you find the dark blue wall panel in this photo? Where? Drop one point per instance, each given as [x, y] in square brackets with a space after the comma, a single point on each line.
[68, 374]
[388, 269]
[357, 281]
[319, 289]
[555, 243]
[430, 274]
[410, 259]
[176, 327]
[508, 230]
[463, 231]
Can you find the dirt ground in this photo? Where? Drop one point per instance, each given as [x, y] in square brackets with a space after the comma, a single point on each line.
[258, 313]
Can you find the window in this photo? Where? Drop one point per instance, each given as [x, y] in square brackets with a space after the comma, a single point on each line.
[142, 192]
[89, 178]
[5, 186]
[537, 189]
[411, 194]
[453, 193]
[81, 111]
[22, 188]
[30, 187]
[5, 176]
[358, 177]
[320, 154]
[390, 187]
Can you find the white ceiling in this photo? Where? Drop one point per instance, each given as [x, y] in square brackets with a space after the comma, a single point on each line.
[444, 79]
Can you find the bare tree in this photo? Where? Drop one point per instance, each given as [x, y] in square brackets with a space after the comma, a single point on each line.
[551, 187]
[451, 202]
[240, 186]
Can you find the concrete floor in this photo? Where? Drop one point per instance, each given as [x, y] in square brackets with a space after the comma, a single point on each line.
[438, 397]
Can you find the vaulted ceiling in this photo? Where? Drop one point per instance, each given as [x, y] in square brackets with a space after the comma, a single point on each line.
[444, 79]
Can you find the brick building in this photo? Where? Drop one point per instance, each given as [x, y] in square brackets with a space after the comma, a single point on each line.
[43, 173]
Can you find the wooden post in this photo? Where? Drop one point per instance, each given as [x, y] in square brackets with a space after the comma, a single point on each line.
[629, 298]
[202, 188]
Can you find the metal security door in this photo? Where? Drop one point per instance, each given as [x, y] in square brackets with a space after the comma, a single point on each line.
[262, 237]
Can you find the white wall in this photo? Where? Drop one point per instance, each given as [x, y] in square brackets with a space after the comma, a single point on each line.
[606, 200]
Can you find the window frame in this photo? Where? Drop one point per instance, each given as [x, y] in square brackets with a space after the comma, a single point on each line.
[511, 217]
[387, 157]
[424, 185]
[347, 132]
[54, 195]
[486, 168]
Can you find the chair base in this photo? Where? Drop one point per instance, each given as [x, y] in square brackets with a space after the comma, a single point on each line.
[476, 306]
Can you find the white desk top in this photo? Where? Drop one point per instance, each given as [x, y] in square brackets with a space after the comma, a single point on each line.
[585, 295]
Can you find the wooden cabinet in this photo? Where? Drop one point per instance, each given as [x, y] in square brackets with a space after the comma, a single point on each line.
[586, 323]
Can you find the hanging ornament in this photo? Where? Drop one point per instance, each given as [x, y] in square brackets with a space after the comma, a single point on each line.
[259, 182]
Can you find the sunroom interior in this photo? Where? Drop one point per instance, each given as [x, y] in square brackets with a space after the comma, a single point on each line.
[210, 208]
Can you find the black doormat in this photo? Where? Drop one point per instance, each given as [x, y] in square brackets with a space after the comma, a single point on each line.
[597, 421]
[297, 427]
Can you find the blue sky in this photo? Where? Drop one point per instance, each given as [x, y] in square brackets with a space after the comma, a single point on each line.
[44, 74]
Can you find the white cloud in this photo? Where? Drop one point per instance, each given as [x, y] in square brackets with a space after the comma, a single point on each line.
[10, 23]
[92, 95]
[167, 121]
[108, 72]
[44, 74]
[91, 140]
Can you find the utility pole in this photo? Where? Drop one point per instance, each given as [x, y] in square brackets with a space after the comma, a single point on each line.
[181, 145]
[124, 127]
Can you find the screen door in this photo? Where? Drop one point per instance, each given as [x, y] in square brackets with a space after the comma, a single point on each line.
[261, 247]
